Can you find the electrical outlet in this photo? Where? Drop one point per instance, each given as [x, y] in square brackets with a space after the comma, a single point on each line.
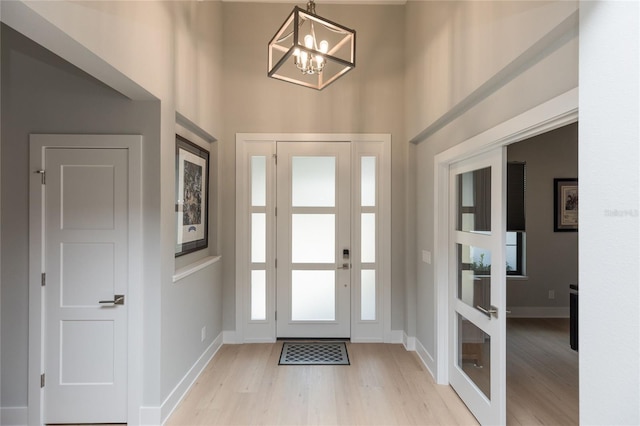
[203, 333]
[552, 294]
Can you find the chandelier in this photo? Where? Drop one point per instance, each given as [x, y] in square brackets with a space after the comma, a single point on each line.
[310, 50]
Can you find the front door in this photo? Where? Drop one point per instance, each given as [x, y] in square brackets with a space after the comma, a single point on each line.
[313, 239]
[477, 274]
[86, 231]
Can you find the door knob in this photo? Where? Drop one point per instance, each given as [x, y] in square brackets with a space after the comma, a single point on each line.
[118, 299]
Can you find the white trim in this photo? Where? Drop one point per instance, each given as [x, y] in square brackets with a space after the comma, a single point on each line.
[14, 416]
[38, 144]
[194, 267]
[425, 357]
[409, 342]
[150, 416]
[538, 312]
[550, 115]
[180, 391]
[229, 337]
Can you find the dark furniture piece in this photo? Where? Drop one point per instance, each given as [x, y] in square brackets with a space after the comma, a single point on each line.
[573, 316]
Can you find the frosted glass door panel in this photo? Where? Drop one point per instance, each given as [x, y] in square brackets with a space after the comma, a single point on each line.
[258, 295]
[313, 181]
[258, 181]
[368, 176]
[368, 237]
[313, 295]
[368, 295]
[258, 237]
[313, 238]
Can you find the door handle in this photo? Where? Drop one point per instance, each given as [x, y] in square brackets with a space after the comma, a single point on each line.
[118, 299]
[492, 311]
[344, 266]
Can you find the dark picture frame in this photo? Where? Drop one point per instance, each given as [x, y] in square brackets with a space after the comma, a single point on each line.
[192, 197]
[565, 202]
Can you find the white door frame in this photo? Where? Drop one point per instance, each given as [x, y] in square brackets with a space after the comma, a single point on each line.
[38, 144]
[362, 145]
[550, 115]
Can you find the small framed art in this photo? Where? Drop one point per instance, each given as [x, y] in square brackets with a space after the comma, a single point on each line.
[565, 192]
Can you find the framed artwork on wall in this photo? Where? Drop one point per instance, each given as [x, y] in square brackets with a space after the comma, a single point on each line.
[192, 201]
[565, 193]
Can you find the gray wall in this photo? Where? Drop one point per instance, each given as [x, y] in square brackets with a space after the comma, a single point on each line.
[41, 93]
[366, 100]
[551, 257]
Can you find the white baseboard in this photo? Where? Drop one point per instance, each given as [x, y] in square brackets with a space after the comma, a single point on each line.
[150, 416]
[426, 358]
[14, 416]
[229, 337]
[396, 336]
[409, 342]
[181, 389]
[538, 312]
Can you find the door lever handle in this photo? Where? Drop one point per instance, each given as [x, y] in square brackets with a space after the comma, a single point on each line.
[492, 311]
[344, 266]
[118, 299]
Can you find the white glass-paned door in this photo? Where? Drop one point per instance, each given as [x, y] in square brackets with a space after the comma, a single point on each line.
[477, 282]
[313, 225]
[258, 284]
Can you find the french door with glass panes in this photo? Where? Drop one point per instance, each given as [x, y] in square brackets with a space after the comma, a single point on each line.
[312, 254]
[477, 274]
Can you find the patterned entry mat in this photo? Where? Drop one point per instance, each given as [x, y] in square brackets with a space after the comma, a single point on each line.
[314, 353]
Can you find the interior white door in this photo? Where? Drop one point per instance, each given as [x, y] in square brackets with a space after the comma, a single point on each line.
[86, 252]
[477, 277]
[313, 239]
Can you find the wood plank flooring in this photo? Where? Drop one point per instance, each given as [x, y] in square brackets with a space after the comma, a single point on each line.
[384, 385]
[542, 373]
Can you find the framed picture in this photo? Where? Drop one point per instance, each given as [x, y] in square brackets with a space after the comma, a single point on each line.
[565, 192]
[192, 201]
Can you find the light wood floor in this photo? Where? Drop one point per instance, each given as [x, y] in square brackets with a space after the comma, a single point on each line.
[542, 373]
[385, 385]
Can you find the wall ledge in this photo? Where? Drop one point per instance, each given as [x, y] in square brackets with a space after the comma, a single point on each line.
[194, 267]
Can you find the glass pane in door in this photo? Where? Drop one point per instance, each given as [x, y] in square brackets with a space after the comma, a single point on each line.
[313, 295]
[313, 181]
[474, 201]
[474, 354]
[313, 238]
[474, 275]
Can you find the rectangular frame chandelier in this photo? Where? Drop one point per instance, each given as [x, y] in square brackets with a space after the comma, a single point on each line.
[310, 50]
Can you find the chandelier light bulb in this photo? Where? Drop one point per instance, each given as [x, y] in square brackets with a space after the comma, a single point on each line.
[324, 46]
[308, 41]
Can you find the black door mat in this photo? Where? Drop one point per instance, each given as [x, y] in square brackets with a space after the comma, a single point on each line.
[314, 353]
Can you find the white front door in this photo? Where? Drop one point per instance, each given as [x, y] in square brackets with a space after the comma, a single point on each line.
[477, 276]
[86, 231]
[313, 239]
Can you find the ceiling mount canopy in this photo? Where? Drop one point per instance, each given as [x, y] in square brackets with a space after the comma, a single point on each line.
[310, 50]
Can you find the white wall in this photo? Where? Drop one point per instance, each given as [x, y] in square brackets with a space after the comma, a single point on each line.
[470, 66]
[551, 257]
[366, 100]
[609, 212]
[163, 51]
